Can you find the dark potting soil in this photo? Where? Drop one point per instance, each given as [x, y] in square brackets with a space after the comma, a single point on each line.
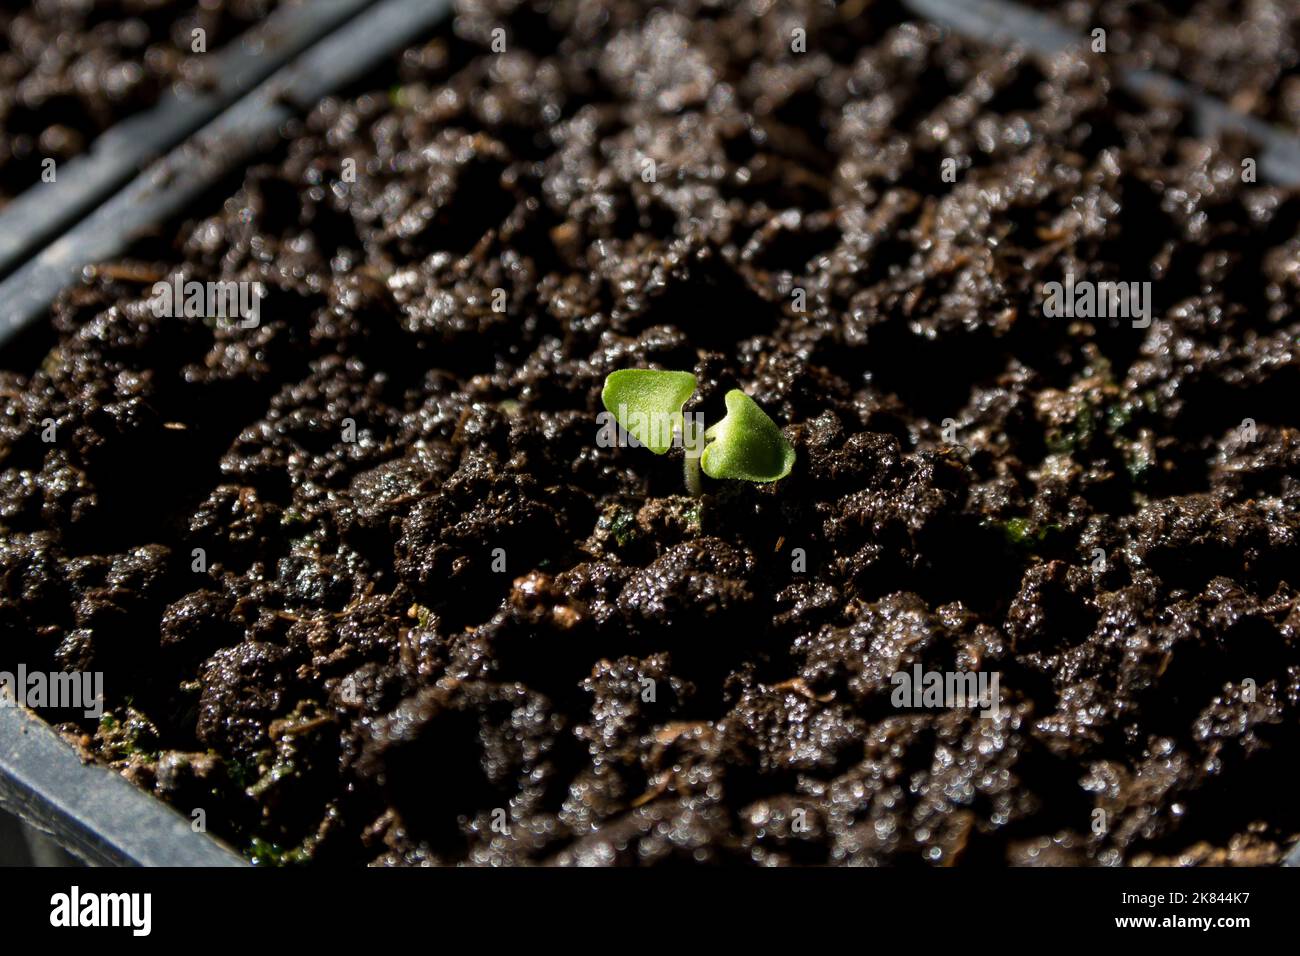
[70, 69]
[365, 588]
[1246, 54]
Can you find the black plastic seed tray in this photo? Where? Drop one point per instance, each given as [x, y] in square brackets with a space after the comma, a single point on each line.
[42, 211]
[227, 143]
[91, 811]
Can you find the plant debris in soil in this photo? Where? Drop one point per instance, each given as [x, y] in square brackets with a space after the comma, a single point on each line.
[364, 586]
[70, 69]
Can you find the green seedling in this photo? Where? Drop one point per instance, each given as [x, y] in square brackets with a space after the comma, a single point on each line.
[746, 445]
[648, 404]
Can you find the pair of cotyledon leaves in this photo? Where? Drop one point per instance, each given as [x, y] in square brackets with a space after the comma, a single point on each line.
[745, 445]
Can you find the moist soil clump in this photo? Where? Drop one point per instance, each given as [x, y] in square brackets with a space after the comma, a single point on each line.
[365, 587]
